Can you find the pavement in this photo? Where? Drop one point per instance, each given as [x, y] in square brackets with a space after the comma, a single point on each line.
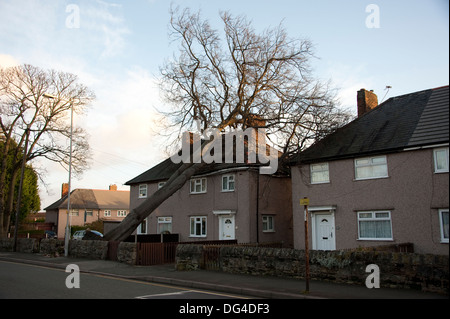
[248, 285]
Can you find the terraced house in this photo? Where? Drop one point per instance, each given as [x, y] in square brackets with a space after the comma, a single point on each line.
[381, 179]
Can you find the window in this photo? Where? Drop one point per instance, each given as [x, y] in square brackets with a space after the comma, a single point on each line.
[89, 213]
[107, 213]
[268, 223]
[198, 226]
[142, 228]
[441, 160]
[198, 185]
[228, 183]
[164, 225]
[143, 191]
[161, 184]
[375, 225]
[319, 173]
[121, 213]
[443, 221]
[371, 167]
[74, 212]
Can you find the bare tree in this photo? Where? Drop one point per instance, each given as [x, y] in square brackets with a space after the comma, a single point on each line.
[35, 105]
[227, 80]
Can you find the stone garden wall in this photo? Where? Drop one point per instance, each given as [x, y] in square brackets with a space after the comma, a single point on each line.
[397, 270]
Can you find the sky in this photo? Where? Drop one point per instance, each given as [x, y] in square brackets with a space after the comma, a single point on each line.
[116, 48]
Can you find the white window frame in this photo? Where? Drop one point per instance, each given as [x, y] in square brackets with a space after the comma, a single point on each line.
[319, 168]
[121, 213]
[107, 213]
[374, 218]
[194, 221]
[268, 223]
[443, 169]
[441, 225]
[230, 183]
[371, 163]
[200, 182]
[143, 190]
[164, 221]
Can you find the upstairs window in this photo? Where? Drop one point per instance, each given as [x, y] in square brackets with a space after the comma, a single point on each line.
[371, 167]
[198, 185]
[228, 183]
[319, 173]
[143, 191]
[441, 160]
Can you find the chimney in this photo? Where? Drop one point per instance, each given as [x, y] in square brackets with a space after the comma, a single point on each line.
[64, 189]
[366, 100]
[113, 187]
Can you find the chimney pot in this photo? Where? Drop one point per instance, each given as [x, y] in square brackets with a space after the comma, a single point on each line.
[113, 187]
[366, 101]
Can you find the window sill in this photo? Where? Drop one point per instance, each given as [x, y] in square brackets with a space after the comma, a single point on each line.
[370, 178]
[375, 239]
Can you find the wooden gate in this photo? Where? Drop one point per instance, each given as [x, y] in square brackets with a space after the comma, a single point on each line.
[155, 253]
[211, 257]
[113, 247]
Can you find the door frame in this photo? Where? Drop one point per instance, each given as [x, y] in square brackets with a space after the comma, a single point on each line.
[322, 210]
[222, 215]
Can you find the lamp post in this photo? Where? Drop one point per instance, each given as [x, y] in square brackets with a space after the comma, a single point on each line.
[67, 232]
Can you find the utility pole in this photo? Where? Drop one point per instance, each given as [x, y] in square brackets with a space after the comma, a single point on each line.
[305, 202]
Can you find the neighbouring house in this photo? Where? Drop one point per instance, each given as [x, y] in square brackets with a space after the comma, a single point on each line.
[221, 202]
[87, 206]
[381, 179]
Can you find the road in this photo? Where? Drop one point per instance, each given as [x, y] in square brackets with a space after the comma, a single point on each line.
[37, 282]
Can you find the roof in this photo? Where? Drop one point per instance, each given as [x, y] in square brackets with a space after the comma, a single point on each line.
[412, 120]
[164, 170]
[94, 199]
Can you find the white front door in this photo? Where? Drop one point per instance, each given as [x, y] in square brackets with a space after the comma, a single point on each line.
[323, 232]
[226, 228]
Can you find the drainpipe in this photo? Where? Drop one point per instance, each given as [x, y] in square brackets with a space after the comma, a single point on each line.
[257, 207]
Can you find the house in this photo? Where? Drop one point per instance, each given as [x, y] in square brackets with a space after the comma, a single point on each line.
[87, 206]
[381, 179]
[222, 201]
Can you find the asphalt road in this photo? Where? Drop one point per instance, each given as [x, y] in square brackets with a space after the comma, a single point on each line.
[36, 282]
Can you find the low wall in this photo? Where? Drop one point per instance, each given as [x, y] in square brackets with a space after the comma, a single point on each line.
[24, 245]
[127, 253]
[397, 270]
[92, 249]
[54, 247]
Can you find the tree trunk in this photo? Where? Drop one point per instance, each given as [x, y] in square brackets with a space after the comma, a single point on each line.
[138, 214]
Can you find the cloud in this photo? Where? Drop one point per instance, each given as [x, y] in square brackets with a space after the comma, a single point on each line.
[7, 61]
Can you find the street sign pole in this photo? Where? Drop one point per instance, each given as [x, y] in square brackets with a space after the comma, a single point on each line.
[305, 202]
